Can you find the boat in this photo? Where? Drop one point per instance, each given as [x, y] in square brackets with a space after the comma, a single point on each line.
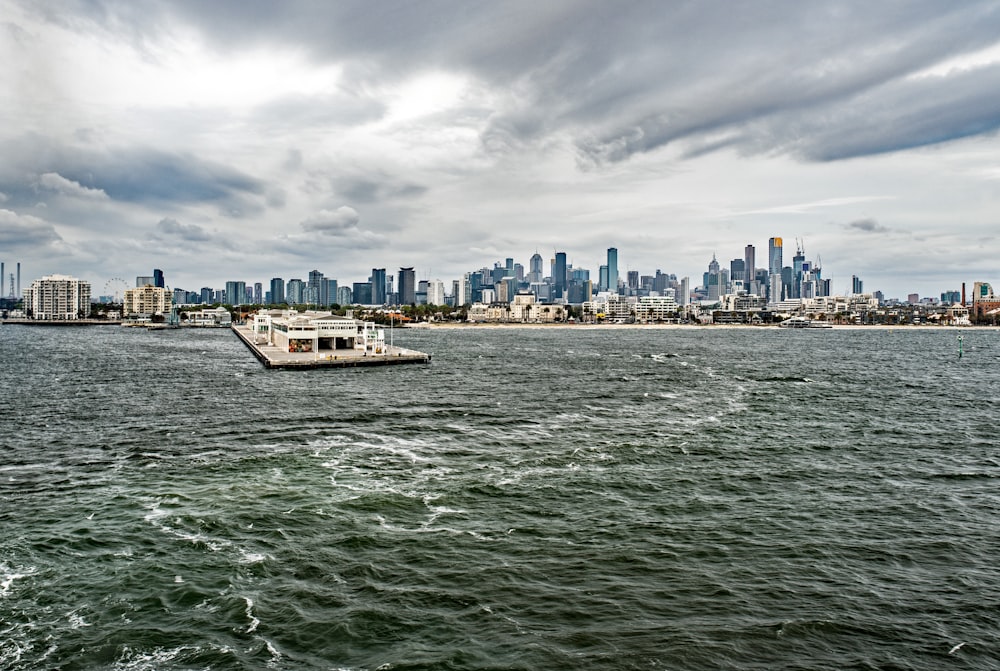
[804, 323]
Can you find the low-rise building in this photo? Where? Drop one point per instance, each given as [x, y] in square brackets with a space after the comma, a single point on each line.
[316, 332]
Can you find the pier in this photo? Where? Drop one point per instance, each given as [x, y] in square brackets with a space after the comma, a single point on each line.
[277, 356]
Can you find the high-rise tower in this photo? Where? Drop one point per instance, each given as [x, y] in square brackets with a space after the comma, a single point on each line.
[613, 269]
[774, 289]
[378, 286]
[407, 286]
[559, 275]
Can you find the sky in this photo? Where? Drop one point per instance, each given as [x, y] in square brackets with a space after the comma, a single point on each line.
[249, 140]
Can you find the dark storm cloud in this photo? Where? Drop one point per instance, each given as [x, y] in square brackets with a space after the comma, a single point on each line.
[35, 166]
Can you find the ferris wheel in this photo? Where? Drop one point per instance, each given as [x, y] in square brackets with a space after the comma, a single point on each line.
[115, 287]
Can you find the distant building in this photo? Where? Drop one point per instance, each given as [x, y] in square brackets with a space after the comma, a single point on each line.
[147, 300]
[57, 297]
[236, 293]
[378, 286]
[407, 286]
[559, 275]
[435, 292]
[295, 292]
[612, 269]
[277, 290]
[158, 278]
[362, 293]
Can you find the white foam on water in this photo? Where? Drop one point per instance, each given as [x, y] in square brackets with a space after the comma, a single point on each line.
[148, 660]
[247, 557]
[9, 576]
[254, 621]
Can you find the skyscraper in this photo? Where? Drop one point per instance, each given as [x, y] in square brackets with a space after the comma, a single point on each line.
[749, 267]
[277, 290]
[407, 286]
[774, 293]
[797, 261]
[236, 293]
[317, 288]
[613, 269]
[535, 268]
[294, 291]
[158, 278]
[378, 286]
[559, 275]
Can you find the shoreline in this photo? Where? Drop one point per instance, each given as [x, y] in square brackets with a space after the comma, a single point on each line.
[836, 327]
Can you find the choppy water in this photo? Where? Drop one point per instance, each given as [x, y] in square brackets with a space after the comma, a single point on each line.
[534, 499]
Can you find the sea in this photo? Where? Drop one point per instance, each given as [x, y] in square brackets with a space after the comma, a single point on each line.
[534, 498]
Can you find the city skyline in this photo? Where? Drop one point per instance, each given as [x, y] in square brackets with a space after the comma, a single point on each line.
[221, 144]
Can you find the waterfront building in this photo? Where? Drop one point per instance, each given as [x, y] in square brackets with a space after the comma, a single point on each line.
[653, 309]
[984, 302]
[316, 332]
[57, 297]
[218, 317]
[526, 309]
[147, 300]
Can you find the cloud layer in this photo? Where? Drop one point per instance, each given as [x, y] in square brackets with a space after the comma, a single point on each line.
[221, 142]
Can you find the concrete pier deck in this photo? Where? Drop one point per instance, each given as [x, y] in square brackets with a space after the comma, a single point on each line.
[277, 357]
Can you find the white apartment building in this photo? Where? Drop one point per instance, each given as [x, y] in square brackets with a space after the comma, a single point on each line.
[147, 300]
[656, 309]
[58, 297]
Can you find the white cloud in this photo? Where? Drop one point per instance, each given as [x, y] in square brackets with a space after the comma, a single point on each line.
[53, 181]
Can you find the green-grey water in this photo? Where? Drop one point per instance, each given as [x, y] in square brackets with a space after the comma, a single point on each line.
[554, 498]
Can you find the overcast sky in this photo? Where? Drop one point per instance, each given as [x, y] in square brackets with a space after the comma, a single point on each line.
[246, 140]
